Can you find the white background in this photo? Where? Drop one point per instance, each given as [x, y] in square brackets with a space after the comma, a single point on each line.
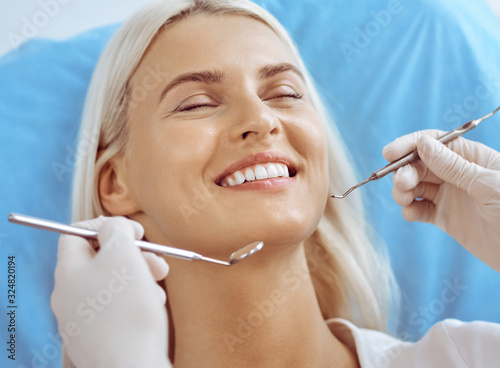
[64, 18]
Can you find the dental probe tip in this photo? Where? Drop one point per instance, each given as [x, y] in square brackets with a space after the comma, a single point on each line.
[372, 177]
[208, 259]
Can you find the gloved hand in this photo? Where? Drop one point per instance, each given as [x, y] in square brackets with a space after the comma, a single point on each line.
[455, 188]
[109, 309]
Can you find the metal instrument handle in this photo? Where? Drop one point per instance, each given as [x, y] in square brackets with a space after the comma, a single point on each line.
[91, 234]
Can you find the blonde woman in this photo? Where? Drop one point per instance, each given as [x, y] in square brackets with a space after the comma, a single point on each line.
[207, 135]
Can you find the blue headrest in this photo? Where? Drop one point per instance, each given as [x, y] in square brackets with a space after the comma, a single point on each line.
[42, 91]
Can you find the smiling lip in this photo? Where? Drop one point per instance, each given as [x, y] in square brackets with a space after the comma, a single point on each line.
[259, 158]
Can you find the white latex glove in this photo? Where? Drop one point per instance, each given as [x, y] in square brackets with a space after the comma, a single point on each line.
[109, 309]
[455, 188]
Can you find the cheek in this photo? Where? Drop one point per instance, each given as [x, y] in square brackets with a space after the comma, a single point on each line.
[313, 146]
[167, 167]
[308, 137]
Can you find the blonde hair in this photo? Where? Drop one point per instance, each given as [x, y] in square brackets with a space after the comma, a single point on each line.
[351, 279]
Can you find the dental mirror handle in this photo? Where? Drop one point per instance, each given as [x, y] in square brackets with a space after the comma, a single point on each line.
[92, 235]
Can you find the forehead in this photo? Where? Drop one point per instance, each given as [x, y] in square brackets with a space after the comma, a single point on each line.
[219, 41]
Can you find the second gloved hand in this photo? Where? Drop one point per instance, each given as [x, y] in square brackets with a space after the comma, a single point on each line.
[455, 187]
[109, 308]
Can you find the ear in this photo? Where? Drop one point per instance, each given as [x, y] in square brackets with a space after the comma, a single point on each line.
[114, 193]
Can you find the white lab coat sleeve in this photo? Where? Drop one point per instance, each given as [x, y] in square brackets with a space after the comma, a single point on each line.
[477, 342]
[452, 344]
[448, 344]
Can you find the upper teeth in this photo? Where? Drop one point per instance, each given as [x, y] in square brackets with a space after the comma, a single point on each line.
[257, 172]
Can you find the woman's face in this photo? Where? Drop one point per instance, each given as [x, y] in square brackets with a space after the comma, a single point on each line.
[218, 115]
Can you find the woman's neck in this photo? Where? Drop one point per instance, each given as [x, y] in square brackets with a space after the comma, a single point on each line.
[262, 312]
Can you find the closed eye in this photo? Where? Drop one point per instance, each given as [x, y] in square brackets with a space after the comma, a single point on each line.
[295, 95]
[194, 103]
[282, 93]
[193, 107]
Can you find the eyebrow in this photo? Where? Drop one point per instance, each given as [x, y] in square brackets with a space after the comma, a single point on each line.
[271, 70]
[218, 76]
[207, 77]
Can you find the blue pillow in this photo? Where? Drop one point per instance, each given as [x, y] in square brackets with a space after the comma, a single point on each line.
[385, 68]
[42, 90]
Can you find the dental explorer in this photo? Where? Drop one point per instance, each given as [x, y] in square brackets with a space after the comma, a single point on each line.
[413, 156]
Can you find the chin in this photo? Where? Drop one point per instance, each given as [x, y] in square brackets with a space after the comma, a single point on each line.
[282, 230]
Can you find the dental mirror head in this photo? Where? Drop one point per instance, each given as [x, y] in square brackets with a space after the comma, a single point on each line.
[245, 252]
[239, 255]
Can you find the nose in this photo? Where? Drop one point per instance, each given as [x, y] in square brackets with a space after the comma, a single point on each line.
[253, 120]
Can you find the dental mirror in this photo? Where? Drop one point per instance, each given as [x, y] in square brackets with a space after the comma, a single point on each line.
[39, 223]
[245, 252]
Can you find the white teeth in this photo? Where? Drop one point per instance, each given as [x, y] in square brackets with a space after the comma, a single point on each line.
[272, 172]
[249, 175]
[280, 170]
[260, 172]
[239, 178]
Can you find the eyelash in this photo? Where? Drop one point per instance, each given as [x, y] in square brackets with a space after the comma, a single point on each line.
[193, 107]
[295, 95]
